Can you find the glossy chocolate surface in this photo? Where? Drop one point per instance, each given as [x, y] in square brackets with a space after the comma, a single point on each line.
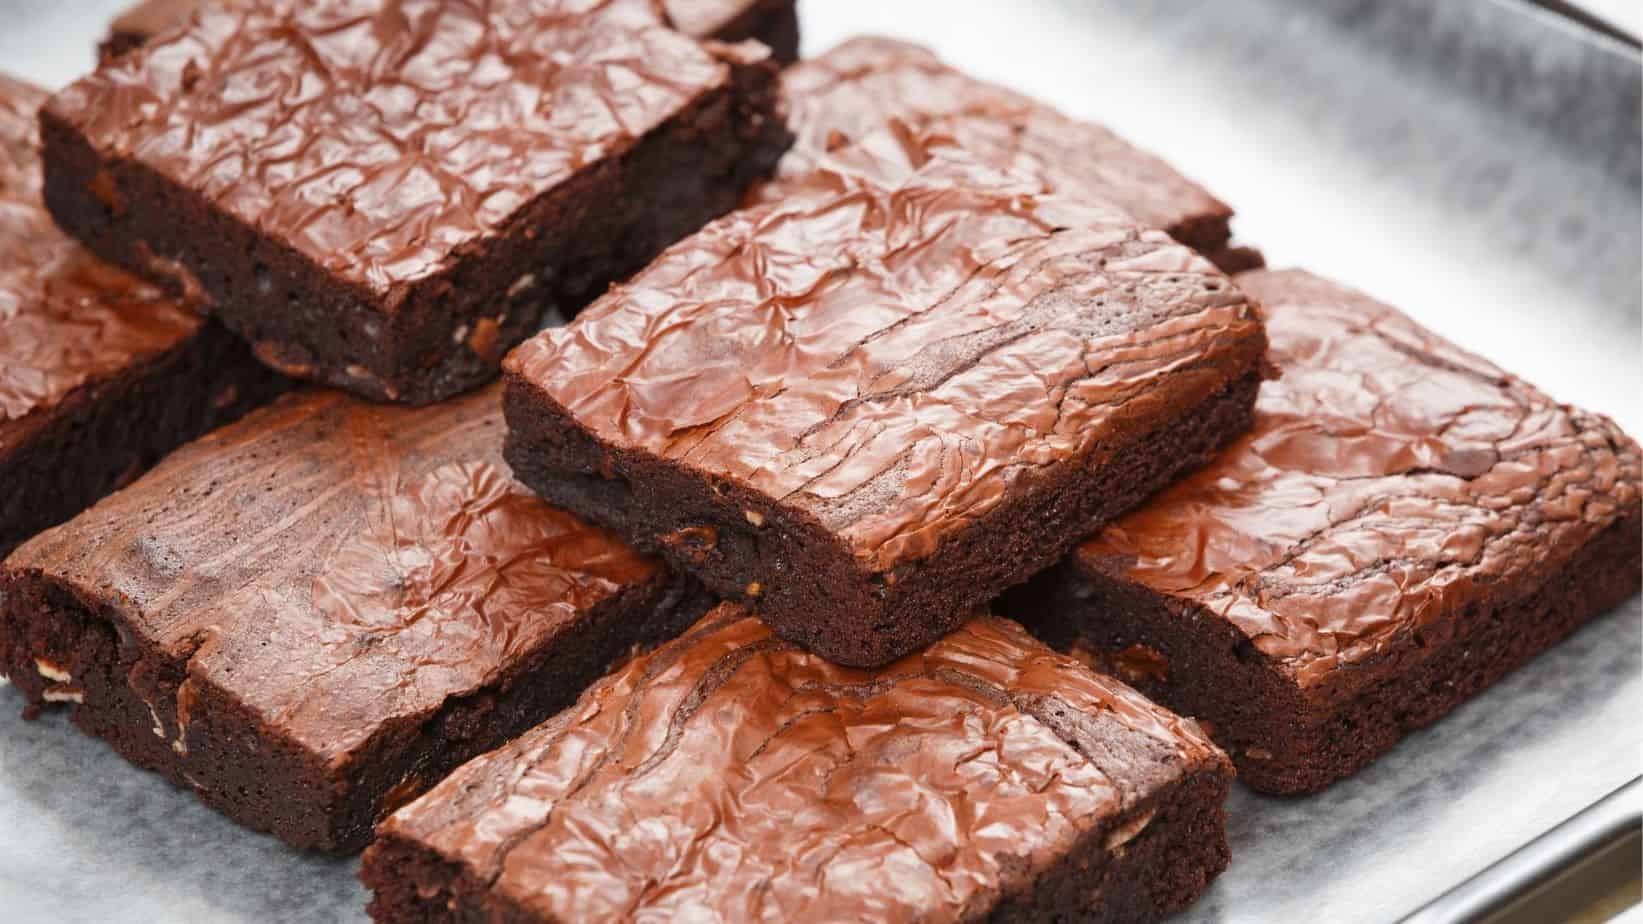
[66, 319]
[698, 18]
[892, 348]
[1392, 480]
[337, 567]
[859, 86]
[732, 776]
[380, 139]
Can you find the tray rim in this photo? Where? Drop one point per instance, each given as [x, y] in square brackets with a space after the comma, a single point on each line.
[1605, 824]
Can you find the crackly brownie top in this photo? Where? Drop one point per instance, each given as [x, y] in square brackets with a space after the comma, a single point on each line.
[338, 566]
[862, 84]
[731, 776]
[380, 137]
[1390, 481]
[893, 358]
[66, 318]
[701, 18]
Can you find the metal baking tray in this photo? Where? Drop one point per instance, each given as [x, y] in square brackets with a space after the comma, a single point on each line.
[1475, 162]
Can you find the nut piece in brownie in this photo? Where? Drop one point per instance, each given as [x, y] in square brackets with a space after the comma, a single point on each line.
[862, 84]
[729, 776]
[313, 614]
[100, 373]
[773, 22]
[872, 406]
[1405, 524]
[387, 196]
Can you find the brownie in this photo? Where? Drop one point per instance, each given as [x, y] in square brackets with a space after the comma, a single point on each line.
[864, 83]
[311, 615]
[773, 22]
[870, 407]
[1405, 524]
[386, 197]
[100, 373]
[730, 776]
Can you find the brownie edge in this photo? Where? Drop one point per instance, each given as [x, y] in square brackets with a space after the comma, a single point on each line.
[791, 571]
[1405, 524]
[985, 778]
[103, 435]
[409, 281]
[310, 616]
[101, 374]
[870, 407]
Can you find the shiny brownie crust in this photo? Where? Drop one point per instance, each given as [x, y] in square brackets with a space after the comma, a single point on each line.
[101, 374]
[241, 765]
[1284, 742]
[861, 85]
[870, 407]
[1161, 872]
[773, 22]
[983, 779]
[1404, 525]
[312, 615]
[795, 574]
[388, 311]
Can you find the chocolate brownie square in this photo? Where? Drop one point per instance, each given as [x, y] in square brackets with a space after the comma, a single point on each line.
[1405, 524]
[872, 406]
[101, 374]
[773, 22]
[730, 776]
[310, 616]
[859, 86]
[386, 197]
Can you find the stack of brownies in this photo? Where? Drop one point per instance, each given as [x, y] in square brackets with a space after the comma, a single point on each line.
[699, 613]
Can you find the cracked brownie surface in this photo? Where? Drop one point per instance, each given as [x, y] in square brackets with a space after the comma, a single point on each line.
[732, 776]
[1397, 499]
[387, 195]
[311, 615]
[871, 406]
[100, 372]
[774, 22]
[856, 88]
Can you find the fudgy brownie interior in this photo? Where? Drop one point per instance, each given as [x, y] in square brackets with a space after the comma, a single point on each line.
[100, 372]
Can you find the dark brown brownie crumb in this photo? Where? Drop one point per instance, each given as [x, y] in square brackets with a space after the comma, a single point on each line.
[101, 374]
